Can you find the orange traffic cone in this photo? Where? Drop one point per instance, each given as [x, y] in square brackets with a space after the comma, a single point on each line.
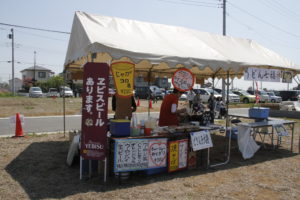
[138, 102]
[150, 104]
[19, 130]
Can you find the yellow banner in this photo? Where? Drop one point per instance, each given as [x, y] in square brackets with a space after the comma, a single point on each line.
[123, 73]
[173, 156]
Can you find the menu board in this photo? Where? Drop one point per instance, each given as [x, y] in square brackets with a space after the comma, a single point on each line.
[178, 152]
[139, 154]
[201, 140]
[261, 74]
[183, 79]
[123, 73]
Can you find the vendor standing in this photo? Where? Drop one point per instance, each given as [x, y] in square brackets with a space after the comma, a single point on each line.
[169, 111]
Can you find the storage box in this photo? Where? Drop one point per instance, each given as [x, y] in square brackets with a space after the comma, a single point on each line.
[120, 127]
[234, 133]
[259, 112]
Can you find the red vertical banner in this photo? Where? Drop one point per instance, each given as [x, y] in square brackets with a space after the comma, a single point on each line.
[94, 111]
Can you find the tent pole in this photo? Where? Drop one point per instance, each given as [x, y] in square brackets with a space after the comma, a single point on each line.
[226, 129]
[149, 92]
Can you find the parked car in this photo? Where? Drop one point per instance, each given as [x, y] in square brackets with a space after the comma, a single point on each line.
[205, 93]
[233, 98]
[53, 92]
[156, 92]
[245, 97]
[142, 92]
[264, 97]
[274, 98]
[290, 95]
[35, 92]
[66, 92]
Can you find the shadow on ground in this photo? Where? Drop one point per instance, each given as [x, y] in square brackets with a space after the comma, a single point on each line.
[41, 170]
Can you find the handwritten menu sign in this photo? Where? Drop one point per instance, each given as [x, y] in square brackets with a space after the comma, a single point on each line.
[123, 73]
[178, 152]
[138, 154]
[261, 74]
[183, 80]
[200, 140]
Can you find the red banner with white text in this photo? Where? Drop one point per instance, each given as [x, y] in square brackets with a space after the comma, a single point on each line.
[94, 111]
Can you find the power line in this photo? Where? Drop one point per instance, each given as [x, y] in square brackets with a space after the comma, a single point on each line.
[192, 3]
[32, 28]
[265, 22]
[274, 41]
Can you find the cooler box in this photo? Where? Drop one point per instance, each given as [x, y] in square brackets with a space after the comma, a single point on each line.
[261, 113]
[120, 127]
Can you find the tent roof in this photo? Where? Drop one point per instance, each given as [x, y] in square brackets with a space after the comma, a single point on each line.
[162, 48]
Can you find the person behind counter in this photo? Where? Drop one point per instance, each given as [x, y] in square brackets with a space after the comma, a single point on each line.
[168, 115]
[123, 107]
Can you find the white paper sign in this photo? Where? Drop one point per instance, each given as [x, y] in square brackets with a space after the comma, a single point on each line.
[261, 74]
[183, 152]
[138, 154]
[287, 77]
[200, 140]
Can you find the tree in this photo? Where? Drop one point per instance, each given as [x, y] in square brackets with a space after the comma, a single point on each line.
[53, 82]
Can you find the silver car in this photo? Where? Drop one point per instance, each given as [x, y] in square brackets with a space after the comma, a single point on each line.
[35, 92]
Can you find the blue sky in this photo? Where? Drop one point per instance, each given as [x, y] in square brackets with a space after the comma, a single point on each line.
[274, 24]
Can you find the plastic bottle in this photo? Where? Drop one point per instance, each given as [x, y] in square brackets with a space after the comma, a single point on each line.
[142, 130]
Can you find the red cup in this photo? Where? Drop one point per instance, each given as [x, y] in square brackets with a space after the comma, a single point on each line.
[148, 131]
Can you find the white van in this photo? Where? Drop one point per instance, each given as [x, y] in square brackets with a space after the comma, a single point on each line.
[65, 91]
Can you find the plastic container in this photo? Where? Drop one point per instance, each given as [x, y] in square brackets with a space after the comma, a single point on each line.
[120, 127]
[259, 112]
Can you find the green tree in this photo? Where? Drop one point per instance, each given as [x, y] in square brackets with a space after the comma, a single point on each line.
[53, 82]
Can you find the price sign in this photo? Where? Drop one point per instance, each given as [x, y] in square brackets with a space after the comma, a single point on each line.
[183, 80]
[138, 154]
[200, 140]
[178, 153]
[123, 73]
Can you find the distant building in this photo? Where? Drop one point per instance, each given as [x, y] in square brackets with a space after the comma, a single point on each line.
[18, 84]
[38, 73]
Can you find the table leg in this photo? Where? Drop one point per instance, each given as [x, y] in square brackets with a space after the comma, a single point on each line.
[293, 138]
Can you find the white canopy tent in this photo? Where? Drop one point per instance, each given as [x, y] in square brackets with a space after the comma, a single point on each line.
[159, 50]
[163, 49]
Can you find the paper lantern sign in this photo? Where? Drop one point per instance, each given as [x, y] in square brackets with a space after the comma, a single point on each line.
[183, 80]
[123, 73]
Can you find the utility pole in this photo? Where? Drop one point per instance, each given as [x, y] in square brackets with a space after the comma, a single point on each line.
[34, 64]
[224, 33]
[11, 36]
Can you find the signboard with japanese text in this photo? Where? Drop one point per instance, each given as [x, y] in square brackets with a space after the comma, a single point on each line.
[94, 111]
[183, 79]
[261, 74]
[139, 154]
[178, 155]
[287, 77]
[200, 140]
[123, 73]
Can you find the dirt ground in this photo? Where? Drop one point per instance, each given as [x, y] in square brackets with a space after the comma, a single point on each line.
[34, 168]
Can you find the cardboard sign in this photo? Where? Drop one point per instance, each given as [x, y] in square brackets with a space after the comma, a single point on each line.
[287, 77]
[139, 154]
[123, 73]
[94, 111]
[178, 155]
[200, 140]
[183, 80]
[261, 74]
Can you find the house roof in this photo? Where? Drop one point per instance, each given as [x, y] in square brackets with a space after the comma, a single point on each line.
[37, 68]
